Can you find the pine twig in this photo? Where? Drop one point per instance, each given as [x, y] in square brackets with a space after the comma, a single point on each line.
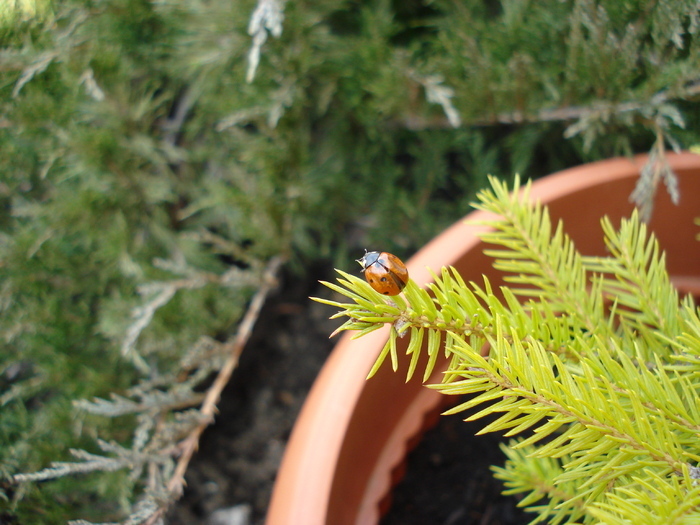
[188, 446]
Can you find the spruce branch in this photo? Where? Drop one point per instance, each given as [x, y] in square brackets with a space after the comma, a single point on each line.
[552, 500]
[596, 358]
[536, 386]
[546, 263]
[424, 315]
[637, 280]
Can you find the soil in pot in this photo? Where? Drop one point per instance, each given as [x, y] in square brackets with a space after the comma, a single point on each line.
[239, 455]
[448, 480]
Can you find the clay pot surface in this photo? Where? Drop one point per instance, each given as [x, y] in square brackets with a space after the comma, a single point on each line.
[352, 435]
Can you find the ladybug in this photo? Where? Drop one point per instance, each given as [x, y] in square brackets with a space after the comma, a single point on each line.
[385, 272]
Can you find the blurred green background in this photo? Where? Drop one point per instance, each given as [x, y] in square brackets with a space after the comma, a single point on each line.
[141, 143]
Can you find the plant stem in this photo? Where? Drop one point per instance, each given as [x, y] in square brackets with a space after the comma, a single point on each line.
[235, 345]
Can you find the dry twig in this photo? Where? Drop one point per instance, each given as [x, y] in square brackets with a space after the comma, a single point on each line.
[235, 345]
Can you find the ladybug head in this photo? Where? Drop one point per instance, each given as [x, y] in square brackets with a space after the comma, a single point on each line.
[368, 259]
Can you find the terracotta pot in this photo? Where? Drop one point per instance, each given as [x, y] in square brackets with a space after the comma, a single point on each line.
[352, 435]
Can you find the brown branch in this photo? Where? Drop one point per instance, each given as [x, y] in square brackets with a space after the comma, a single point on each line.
[417, 122]
[173, 125]
[235, 345]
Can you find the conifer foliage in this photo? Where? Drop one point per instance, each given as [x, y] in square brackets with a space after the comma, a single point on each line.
[592, 365]
[161, 159]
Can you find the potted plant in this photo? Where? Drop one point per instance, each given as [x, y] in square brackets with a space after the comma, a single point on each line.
[352, 434]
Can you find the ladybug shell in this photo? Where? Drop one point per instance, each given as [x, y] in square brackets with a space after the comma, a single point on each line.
[384, 272]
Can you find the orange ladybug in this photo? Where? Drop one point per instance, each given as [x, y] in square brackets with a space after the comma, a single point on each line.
[385, 272]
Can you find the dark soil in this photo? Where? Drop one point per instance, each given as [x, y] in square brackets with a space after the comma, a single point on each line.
[448, 480]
